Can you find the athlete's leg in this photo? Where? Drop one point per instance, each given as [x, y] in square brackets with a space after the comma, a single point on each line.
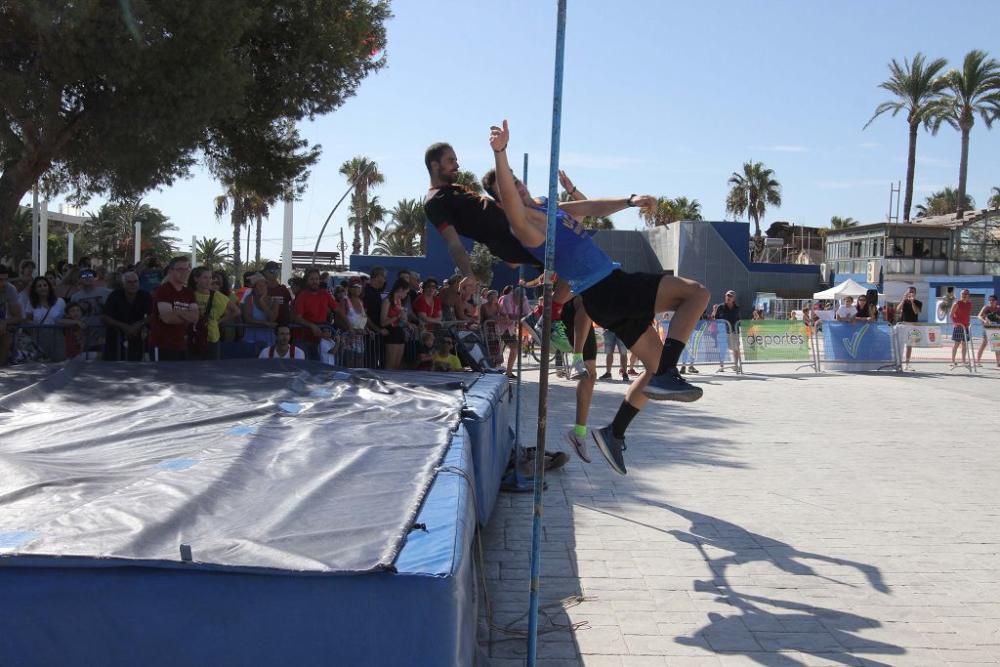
[687, 299]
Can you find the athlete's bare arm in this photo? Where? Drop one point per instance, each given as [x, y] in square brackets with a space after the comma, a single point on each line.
[529, 234]
[457, 251]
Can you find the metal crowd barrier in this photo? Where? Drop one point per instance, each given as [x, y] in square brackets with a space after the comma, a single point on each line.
[47, 342]
[931, 336]
[778, 342]
[710, 342]
[857, 346]
[989, 342]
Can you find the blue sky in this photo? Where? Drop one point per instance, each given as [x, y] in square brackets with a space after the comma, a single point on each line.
[666, 98]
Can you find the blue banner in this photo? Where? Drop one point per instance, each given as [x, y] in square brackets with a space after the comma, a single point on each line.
[853, 342]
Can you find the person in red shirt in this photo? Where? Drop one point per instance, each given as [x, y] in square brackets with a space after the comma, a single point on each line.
[427, 306]
[313, 306]
[174, 311]
[961, 316]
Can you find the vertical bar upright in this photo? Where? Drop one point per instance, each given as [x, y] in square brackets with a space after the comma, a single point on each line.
[543, 382]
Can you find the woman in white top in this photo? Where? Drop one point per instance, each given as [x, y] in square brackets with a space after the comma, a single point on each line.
[41, 305]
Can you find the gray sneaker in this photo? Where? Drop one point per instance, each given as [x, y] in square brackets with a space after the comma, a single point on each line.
[612, 448]
[579, 445]
[578, 370]
[671, 386]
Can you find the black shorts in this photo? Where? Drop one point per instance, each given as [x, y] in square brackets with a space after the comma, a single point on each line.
[510, 250]
[625, 303]
[395, 336]
[590, 345]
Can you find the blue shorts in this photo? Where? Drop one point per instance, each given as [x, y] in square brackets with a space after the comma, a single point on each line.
[611, 341]
[958, 334]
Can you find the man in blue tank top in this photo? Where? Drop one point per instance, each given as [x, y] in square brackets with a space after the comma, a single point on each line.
[625, 303]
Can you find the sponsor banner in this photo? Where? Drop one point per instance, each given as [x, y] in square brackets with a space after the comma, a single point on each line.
[775, 340]
[918, 335]
[708, 343]
[857, 342]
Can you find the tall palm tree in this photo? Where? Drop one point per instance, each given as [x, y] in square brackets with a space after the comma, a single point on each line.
[752, 192]
[943, 202]
[994, 201]
[469, 180]
[232, 201]
[212, 252]
[363, 174]
[256, 208]
[972, 90]
[837, 222]
[409, 220]
[916, 86]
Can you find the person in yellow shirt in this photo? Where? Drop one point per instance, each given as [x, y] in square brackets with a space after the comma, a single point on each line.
[444, 358]
[213, 306]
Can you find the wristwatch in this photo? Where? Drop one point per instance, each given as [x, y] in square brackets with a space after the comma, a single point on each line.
[630, 198]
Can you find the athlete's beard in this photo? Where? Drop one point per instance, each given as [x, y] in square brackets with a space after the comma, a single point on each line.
[449, 176]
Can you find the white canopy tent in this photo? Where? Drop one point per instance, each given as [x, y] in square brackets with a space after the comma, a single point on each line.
[846, 288]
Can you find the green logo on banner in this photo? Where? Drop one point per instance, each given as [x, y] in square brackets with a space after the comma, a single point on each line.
[775, 340]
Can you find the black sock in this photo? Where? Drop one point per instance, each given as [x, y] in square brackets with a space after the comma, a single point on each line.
[626, 413]
[671, 353]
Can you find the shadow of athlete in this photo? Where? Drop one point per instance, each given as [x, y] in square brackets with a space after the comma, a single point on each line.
[708, 532]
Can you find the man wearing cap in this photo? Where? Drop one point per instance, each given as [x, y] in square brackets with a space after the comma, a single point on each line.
[174, 311]
[729, 311]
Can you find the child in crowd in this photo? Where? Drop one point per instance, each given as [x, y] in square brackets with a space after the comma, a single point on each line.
[327, 346]
[425, 352]
[445, 358]
[74, 332]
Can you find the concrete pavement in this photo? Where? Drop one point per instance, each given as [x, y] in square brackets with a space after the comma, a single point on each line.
[784, 519]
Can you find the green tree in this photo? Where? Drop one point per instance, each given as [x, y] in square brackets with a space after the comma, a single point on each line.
[942, 202]
[117, 98]
[469, 180]
[669, 210]
[109, 234]
[994, 201]
[973, 90]
[409, 220]
[394, 241]
[752, 192]
[363, 174]
[837, 222]
[916, 87]
[212, 252]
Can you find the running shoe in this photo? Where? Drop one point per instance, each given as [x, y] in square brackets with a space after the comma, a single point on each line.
[632, 371]
[559, 339]
[612, 448]
[625, 377]
[579, 445]
[671, 387]
[553, 460]
[578, 370]
[606, 376]
[692, 369]
[682, 370]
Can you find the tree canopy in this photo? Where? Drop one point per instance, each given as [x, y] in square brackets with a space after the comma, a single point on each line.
[117, 97]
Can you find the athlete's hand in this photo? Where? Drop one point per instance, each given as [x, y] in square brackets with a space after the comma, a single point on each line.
[566, 182]
[499, 138]
[644, 201]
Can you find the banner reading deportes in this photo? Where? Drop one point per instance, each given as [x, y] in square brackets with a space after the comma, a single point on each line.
[775, 340]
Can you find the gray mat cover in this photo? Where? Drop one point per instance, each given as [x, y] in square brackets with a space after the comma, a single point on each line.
[279, 465]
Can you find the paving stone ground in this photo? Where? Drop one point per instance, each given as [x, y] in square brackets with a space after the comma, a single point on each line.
[784, 519]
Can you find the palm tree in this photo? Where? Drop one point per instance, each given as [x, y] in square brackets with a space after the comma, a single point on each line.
[212, 252]
[469, 180]
[994, 201]
[916, 86]
[752, 192]
[836, 222]
[363, 174]
[975, 89]
[669, 210]
[394, 241]
[409, 219]
[256, 208]
[943, 202]
[232, 202]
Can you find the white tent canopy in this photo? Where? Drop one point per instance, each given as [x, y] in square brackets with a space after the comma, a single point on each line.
[846, 288]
